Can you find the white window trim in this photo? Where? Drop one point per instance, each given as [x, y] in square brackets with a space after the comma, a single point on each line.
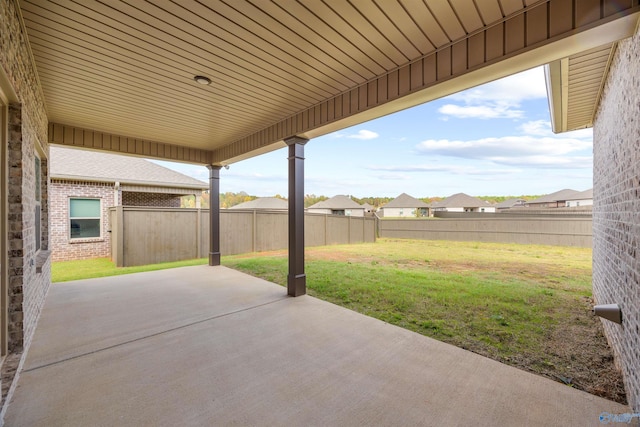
[69, 218]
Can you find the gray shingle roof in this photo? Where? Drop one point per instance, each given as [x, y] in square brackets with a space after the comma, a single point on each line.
[509, 203]
[460, 200]
[263, 203]
[405, 201]
[75, 164]
[337, 202]
[561, 195]
[583, 195]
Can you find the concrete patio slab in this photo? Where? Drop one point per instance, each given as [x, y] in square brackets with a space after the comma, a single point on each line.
[207, 346]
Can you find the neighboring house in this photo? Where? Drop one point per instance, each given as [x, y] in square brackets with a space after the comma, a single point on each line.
[461, 202]
[337, 205]
[584, 198]
[84, 184]
[405, 206]
[264, 203]
[510, 203]
[553, 200]
[368, 208]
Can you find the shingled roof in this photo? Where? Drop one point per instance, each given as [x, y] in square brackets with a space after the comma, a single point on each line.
[460, 200]
[263, 203]
[94, 166]
[558, 196]
[583, 195]
[509, 203]
[337, 202]
[406, 201]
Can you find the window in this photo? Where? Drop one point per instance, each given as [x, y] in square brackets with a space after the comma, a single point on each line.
[84, 218]
[38, 203]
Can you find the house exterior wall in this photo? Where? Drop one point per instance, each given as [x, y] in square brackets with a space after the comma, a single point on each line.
[577, 203]
[616, 209]
[29, 269]
[399, 212]
[353, 212]
[160, 200]
[62, 247]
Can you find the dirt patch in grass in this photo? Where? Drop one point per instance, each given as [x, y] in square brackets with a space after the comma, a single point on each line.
[528, 307]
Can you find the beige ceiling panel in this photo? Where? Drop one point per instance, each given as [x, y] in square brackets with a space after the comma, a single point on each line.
[97, 75]
[380, 21]
[187, 36]
[354, 14]
[345, 37]
[489, 11]
[468, 14]
[511, 6]
[426, 21]
[275, 41]
[407, 24]
[284, 67]
[446, 17]
[126, 53]
[316, 38]
[132, 81]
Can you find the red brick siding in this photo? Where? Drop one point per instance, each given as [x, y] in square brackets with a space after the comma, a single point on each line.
[158, 200]
[61, 246]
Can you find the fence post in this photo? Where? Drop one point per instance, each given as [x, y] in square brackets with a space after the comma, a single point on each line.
[349, 230]
[325, 229]
[119, 230]
[198, 233]
[254, 231]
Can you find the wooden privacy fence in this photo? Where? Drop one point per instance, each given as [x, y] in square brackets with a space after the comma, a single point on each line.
[141, 235]
[550, 230]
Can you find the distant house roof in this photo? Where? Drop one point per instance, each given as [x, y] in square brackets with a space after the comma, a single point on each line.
[263, 203]
[582, 195]
[509, 203]
[561, 195]
[337, 202]
[367, 206]
[82, 165]
[405, 201]
[460, 200]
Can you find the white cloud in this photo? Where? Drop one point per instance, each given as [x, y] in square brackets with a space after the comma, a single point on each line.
[494, 111]
[531, 151]
[519, 87]
[499, 99]
[537, 128]
[543, 128]
[363, 134]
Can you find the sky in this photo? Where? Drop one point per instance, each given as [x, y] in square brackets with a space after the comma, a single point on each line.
[491, 140]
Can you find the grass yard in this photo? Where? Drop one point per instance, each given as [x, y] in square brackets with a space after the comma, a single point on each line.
[64, 271]
[523, 305]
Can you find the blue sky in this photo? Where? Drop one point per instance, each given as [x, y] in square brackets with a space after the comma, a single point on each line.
[494, 139]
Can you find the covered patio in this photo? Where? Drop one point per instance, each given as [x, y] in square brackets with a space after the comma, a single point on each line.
[216, 82]
[211, 346]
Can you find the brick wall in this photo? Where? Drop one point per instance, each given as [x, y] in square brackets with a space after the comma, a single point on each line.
[61, 246]
[29, 275]
[159, 200]
[616, 210]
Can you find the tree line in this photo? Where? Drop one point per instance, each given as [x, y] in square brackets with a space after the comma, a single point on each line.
[230, 199]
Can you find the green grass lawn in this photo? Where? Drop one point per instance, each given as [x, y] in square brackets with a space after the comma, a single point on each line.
[524, 305]
[64, 271]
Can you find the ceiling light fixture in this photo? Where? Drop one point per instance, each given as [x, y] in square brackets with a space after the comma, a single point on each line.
[202, 80]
